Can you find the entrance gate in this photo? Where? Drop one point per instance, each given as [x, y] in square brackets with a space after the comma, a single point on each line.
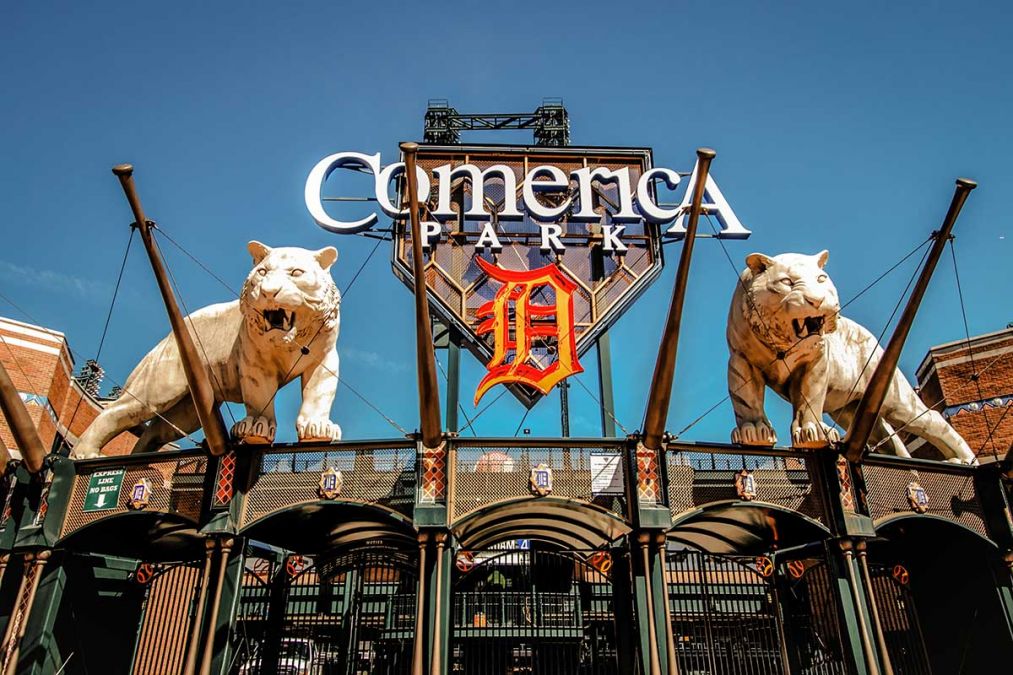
[899, 619]
[167, 616]
[739, 615]
[533, 611]
[724, 613]
[351, 615]
[812, 628]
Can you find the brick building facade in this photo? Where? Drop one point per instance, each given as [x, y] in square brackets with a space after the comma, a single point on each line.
[40, 364]
[971, 384]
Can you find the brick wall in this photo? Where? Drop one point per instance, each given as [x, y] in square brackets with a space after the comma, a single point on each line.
[972, 386]
[41, 367]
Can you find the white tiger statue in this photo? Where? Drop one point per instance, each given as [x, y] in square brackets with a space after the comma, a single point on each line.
[284, 325]
[785, 331]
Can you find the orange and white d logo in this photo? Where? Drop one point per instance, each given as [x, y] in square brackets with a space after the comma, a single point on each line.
[517, 324]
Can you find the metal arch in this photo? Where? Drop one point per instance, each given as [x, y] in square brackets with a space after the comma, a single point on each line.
[184, 528]
[511, 508]
[400, 526]
[569, 555]
[339, 502]
[894, 518]
[684, 516]
[543, 532]
[715, 529]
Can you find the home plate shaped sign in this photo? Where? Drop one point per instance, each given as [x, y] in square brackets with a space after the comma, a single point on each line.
[531, 252]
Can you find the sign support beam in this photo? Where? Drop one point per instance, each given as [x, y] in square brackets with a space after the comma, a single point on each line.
[197, 377]
[875, 393]
[453, 380]
[604, 353]
[664, 369]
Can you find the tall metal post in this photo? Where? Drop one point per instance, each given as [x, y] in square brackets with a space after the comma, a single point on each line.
[436, 662]
[21, 425]
[8, 646]
[661, 542]
[564, 408]
[872, 400]
[429, 390]
[871, 662]
[196, 372]
[664, 369]
[418, 652]
[453, 381]
[604, 353]
[653, 655]
[605, 394]
[193, 646]
[22, 611]
[216, 602]
[877, 623]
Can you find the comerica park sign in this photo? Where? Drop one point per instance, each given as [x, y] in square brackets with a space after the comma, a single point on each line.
[531, 252]
[527, 194]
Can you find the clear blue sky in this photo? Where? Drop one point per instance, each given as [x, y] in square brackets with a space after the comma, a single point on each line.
[837, 125]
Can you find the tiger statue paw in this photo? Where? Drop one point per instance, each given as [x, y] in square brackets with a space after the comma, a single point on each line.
[759, 432]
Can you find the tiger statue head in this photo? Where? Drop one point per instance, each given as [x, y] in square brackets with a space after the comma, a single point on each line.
[789, 300]
[289, 295]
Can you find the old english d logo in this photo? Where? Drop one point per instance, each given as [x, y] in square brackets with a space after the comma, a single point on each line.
[514, 313]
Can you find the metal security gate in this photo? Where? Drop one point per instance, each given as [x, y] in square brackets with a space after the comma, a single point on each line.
[899, 619]
[353, 615]
[533, 611]
[171, 592]
[725, 617]
[812, 630]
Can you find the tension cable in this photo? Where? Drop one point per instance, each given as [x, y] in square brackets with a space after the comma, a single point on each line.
[109, 316]
[970, 354]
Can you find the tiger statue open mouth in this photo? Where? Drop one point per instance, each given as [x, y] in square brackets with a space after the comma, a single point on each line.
[283, 327]
[785, 332]
[278, 319]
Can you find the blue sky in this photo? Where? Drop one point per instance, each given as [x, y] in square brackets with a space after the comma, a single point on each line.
[838, 126]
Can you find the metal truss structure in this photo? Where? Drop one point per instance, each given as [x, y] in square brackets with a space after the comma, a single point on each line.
[550, 123]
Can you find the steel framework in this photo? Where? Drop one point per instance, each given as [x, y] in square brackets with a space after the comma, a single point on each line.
[550, 123]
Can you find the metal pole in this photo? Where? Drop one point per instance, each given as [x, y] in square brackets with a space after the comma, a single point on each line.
[190, 665]
[453, 381]
[652, 637]
[22, 428]
[193, 367]
[10, 632]
[661, 542]
[664, 369]
[877, 625]
[605, 395]
[604, 354]
[41, 558]
[863, 626]
[418, 655]
[429, 390]
[872, 400]
[564, 409]
[216, 601]
[436, 663]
